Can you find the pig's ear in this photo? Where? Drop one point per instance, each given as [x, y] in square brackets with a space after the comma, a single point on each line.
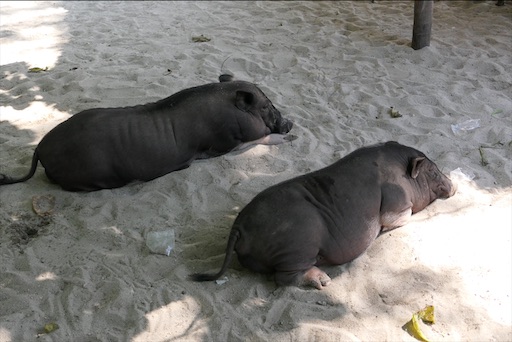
[244, 100]
[415, 166]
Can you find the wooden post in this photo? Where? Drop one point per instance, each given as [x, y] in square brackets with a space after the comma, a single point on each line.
[422, 23]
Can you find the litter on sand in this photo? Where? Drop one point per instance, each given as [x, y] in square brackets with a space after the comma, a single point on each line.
[413, 326]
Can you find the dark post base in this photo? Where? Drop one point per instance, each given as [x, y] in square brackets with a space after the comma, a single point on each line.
[422, 23]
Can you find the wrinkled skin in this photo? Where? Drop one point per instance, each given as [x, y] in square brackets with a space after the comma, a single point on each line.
[110, 147]
[331, 216]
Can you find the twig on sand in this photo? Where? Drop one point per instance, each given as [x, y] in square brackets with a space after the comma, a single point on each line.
[483, 161]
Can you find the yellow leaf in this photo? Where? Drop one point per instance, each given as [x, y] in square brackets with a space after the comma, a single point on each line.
[50, 327]
[417, 333]
[413, 326]
[37, 69]
[427, 314]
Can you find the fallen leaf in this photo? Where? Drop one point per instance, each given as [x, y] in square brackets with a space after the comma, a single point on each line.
[43, 205]
[394, 113]
[200, 39]
[413, 326]
[416, 329]
[50, 327]
[427, 314]
[36, 69]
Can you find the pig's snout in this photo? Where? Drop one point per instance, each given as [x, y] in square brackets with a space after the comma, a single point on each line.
[285, 126]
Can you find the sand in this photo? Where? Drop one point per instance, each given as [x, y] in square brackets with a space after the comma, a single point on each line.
[335, 69]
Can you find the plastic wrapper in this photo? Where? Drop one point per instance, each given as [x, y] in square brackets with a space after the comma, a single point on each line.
[161, 241]
[465, 126]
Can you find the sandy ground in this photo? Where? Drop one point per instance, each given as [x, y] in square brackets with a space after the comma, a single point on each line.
[335, 69]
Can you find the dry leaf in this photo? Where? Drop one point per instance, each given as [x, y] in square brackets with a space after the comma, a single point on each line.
[37, 69]
[50, 327]
[200, 39]
[43, 205]
[394, 113]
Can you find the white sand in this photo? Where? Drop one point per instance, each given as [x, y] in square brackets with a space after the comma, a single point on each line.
[333, 68]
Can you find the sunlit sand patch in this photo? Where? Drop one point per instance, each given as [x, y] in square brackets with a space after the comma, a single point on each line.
[39, 36]
[36, 113]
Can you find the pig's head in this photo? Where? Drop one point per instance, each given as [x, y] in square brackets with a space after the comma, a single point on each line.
[259, 105]
[431, 183]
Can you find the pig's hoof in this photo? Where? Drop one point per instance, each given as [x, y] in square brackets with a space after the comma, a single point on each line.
[316, 277]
